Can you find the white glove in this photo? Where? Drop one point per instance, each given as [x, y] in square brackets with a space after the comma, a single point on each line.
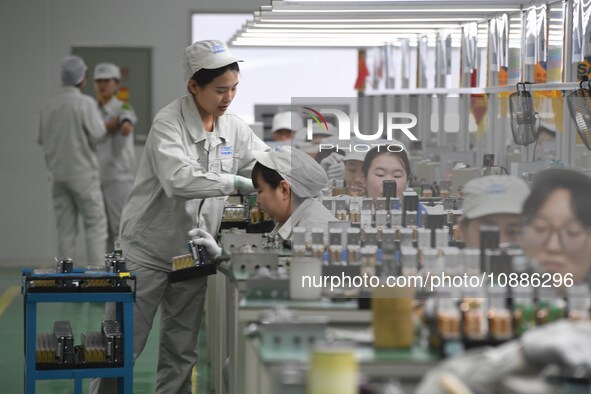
[334, 166]
[565, 343]
[243, 185]
[203, 238]
[336, 171]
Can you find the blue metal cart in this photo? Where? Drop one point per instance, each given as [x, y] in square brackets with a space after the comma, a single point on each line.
[124, 297]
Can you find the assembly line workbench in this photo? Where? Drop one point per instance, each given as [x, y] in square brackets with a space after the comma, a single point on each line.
[229, 315]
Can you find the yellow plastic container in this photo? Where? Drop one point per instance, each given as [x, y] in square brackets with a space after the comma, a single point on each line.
[333, 371]
[392, 318]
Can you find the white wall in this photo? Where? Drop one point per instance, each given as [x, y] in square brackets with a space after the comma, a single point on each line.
[280, 75]
[34, 36]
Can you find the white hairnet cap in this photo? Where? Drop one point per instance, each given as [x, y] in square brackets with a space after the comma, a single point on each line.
[305, 176]
[209, 54]
[354, 155]
[323, 131]
[73, 70]
[107, 71]
[494, 194]
[287, 120]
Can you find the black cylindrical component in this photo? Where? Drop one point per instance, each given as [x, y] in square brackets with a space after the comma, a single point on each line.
[435, 221]
[489, 240]
[488, 160]
[389, 189]
[410, 202]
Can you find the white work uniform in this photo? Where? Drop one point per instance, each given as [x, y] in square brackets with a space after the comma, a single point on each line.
[116, 157]
[69, 129]
[181, 162]
[310, 214]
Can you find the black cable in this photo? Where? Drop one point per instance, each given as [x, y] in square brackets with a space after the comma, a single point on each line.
[539, 120]
[504, 169]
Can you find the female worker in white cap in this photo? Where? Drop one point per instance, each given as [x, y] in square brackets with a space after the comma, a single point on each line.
[494, 200]
[195, 156]
[69, 130]
[287, 181]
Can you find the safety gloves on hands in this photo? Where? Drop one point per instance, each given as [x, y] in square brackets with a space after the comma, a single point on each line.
[565, 343]
[334, 166]
[243, 185]
[203, 238]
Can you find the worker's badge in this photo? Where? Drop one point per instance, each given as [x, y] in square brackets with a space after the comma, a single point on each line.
[226, 151]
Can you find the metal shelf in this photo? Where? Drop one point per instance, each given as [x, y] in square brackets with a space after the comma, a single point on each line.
[123, 299]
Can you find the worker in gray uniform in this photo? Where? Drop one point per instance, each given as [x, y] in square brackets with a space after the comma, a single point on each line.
[116, 153]
[195, 156]
[69, 130]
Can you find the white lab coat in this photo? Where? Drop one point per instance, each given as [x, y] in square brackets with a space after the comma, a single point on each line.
[310, 214]
[181, 166]
[116, 155]
[69, 130]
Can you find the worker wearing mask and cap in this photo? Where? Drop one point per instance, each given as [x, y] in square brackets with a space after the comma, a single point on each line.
[287, 181]
[116, 153]
[195, 156]
[69, 130]
[284, 125]
[493, 200]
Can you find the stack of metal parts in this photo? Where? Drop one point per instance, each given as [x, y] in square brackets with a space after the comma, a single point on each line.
[114, 263]
[92, 347]
[57, 347]
[112, 340]
[105, 346]
[46, 347]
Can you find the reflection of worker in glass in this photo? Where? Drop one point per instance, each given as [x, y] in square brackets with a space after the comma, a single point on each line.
[493, 200]
[354, 172]
[284, 125]
[545, 144]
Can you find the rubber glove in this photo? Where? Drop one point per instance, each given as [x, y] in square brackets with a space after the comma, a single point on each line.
[201, 237]
[565, 343]
[334, 166]
[243, 185]
[336, 171]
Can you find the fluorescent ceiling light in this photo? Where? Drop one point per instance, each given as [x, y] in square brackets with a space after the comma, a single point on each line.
[342, 31]
[389, 18]
[399, 10]
[377, 37]
[356, 23]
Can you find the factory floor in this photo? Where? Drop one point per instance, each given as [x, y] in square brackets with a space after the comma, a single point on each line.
[83, 317]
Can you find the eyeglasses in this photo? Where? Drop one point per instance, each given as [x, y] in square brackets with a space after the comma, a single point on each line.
[572, 236]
